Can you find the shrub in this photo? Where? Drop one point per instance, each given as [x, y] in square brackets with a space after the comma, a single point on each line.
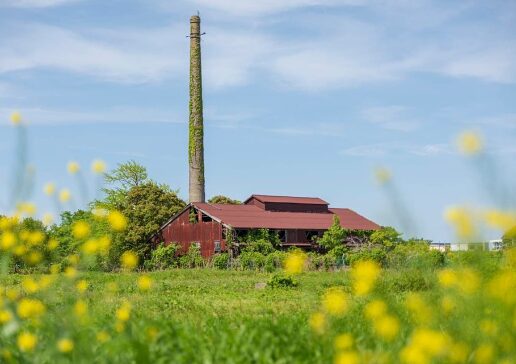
[221, 261]
[414, 255]
[252, 260]
[162, 257]
[192, 259]
[282, 280]
[407, 280]
[375, 254]
[262, 246]
[274, 261]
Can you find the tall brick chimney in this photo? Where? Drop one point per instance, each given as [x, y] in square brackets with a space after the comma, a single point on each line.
[196, 130]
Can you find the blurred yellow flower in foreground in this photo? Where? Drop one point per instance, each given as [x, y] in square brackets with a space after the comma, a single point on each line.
[73, 167]
[65, 345]
[117, 220]
[80, 308]
[124, 312]
[129, 260]
[343, 341]
[64, 195]
[98, 166]
[82, 286]
[462, 220]
[27, 341]
[364, 275]
[382, 175]
[16, 118]
[318, 322]
[470, 143]
[102, 336]
[8, 240]
[347, 357]
[5, 316]
[501, 220]
[387, 327]
[47, 219]
[49, 189]
[335, 302]
[30, 308]
[295, 262]
[81, 229]
[375, 309]
[144, 283]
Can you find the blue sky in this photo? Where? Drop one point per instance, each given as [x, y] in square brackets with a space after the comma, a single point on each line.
[302, 97]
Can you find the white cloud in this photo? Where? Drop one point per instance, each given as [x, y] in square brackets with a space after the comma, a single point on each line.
[384, 149]
[35, 3]
[392, 117]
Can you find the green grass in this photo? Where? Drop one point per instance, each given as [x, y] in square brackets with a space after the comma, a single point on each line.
[202, 316]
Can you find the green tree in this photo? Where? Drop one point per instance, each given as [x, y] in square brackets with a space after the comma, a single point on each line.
[387, 237]
[224, 200]
[146, 207]
[509, 238]
[124, 177]
[334, 236]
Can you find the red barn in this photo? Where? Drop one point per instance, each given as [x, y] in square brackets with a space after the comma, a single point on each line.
[297, 221]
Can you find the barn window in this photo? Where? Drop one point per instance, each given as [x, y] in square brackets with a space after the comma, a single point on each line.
[217, 247]
[197, 244]
[282, 235]
[206, 218]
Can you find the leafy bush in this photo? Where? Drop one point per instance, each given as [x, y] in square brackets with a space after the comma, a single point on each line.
[221, 261]
[192, 259]
[282, 280]
[407, 280]
[251, 260]
[414, 255]
[321, 262]
[274, 261]
[162, 257]
[334, 236]
[377, 255]
[262, 234]
[262, 246]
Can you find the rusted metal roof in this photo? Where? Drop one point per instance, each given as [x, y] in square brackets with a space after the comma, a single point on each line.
[253, 217]
[288, 199]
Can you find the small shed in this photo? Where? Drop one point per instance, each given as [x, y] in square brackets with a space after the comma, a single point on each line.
[297, 220]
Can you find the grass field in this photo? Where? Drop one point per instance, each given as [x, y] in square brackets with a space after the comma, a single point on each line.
[206, 316]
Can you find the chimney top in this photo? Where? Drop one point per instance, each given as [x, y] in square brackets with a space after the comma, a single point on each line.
[195, 19]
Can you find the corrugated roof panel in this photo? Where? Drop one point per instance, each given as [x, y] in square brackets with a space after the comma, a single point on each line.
[289, 199]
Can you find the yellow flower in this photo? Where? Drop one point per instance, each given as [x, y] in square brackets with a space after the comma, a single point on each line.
[82, 286]
[27, 208]
[49, 189]
[382, 175]
[447, 278]
[144, 283]
[364, 274]
[484, 354]
[294, 262]
[80, 308]
[34, 257]
[35, 237]
[117, 220]
[29, 285]
[129, 260]
[343, 341]
[433, 343]
[152, 332]
[27, 341]
[335, 301]
[70, 272]
[462, 220]
[30, 308]
[47, 219]
[375, 309]
[459, 353]
[52, 244]
[448, 304]
[503, 286]
[8, 240]
[470, 143]
[98, 166]
[500, 220]
[119, 326]
[99, 212]
[73, 167]
[65, 345]
[55, 268]
[418, 308]
[469, 281]
[64, 195]
[318, 322]
[488, 327]
[102, 336]
[81, 229]
[16, 118]
[90, 246]
[387, 327]
[347, 357]
[123, 313]
[5, 316]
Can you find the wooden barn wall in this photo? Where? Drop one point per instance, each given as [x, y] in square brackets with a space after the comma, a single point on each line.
[185, 233]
